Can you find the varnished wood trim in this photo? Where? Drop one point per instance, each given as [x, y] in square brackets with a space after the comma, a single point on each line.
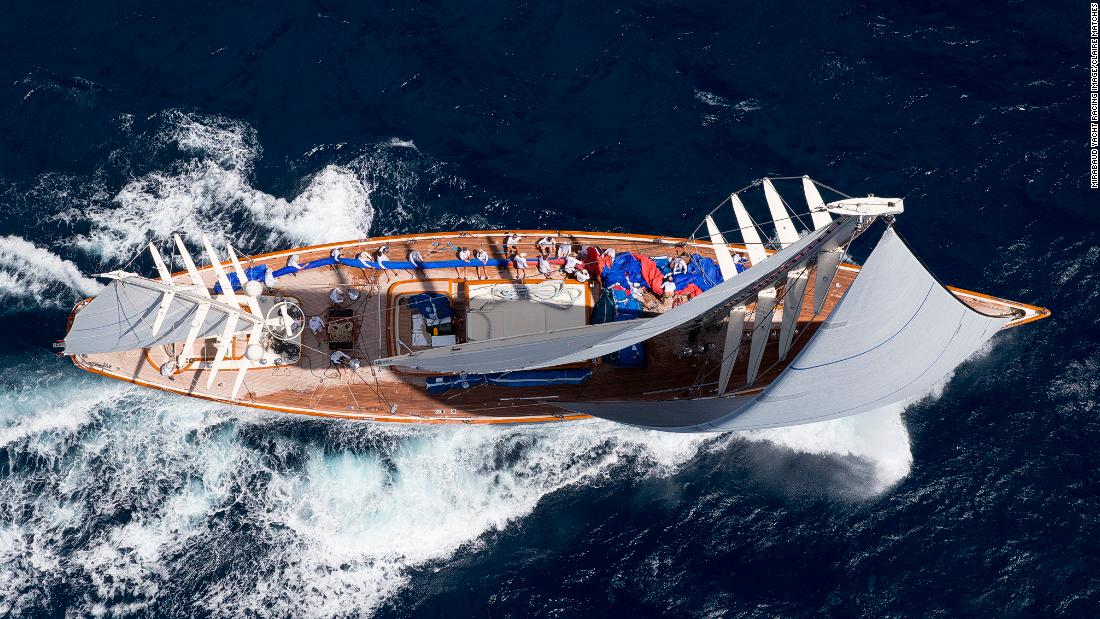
[334, 415]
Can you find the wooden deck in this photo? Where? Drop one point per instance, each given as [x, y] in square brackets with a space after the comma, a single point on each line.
[314, 387]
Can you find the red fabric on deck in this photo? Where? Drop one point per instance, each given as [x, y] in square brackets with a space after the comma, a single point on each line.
[595, 263]
[651, 273]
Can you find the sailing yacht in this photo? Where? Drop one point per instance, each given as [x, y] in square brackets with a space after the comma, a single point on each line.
[747, 323]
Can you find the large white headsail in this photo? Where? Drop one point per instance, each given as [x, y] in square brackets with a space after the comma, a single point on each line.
[896, 334]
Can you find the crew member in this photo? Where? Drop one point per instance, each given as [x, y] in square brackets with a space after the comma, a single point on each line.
[511, 242]
[520, 262]
[293, 263]
[680, 264]
[545, 268]
[668, 287]
[546, 246]
[582, 275]
[336, 295]
[482, 257]
[463, 254]
[316, 325]
[571, 263]
[416, 258]
[168, 369]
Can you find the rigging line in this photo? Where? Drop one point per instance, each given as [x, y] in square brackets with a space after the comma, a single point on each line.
[755, 183]
[694, 233]
[799, 336]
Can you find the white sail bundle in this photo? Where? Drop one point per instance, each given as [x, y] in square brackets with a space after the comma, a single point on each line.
[135, 312]
[583, 343]
[122, 317]
[895, 336]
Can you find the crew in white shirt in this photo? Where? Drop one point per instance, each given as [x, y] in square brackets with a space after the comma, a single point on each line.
[511, 242]
[570, 265]
[545, 268]
[316, 324]
[520, 262]
[546, 245]
[482, 257]
[463, 254]
[336, 295]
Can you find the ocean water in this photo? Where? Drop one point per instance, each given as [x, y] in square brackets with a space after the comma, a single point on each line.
[285, 123]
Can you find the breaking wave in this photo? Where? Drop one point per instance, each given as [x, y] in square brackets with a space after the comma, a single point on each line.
[33, 276]
[208, 189]
[135, 497]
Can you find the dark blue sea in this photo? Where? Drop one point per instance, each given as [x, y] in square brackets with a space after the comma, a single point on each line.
[277, 124]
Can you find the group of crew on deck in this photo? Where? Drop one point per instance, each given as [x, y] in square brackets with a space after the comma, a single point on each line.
[552, 260]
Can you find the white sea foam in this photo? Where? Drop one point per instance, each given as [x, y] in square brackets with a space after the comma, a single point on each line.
[357, 522]
[878, 438]
[209, 190]
[33, 274]
[341, 526]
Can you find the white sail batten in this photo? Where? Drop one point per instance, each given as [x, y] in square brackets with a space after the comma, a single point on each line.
[761, 329]
[722, 254]
[582, 343]
[895, 336]
[792, 307]
[731, 348]
[781, 217]
[818, 212]
[828, 263]
[753, 242]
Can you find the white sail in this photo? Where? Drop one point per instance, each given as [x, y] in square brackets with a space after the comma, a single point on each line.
[583, 343]
[818, 213]
[828, 263]
[721, 251]
[781, 217]
[731, 347]
[122, 316]
[761, 329]
[792, 307]
[896, 334]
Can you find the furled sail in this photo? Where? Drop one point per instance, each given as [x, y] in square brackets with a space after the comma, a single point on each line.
[583, 343]
[895, 335]
[123, 315]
